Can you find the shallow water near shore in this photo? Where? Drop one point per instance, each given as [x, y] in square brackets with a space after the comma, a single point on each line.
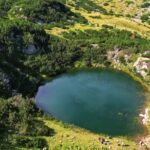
[102, 101]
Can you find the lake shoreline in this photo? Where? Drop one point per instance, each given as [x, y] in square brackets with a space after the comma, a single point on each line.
[96, 81]
[136, 77]
[140, 80]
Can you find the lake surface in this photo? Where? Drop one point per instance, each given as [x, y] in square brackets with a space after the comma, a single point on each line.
[102, 101]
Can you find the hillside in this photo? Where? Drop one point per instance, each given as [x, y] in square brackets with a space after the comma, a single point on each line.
[41, 39]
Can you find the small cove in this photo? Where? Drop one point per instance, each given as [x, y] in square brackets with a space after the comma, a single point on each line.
[102, 101]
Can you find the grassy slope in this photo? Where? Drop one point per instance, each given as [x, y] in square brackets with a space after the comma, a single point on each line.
[75, 138]
[121, 7]
[96, 20]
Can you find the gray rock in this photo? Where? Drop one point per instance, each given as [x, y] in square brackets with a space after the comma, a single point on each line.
[30, 49]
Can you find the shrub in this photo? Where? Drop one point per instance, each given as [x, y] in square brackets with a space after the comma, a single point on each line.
[27, 142]
[37, 128]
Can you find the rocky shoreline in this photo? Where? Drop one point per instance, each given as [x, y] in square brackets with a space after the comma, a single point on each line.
[145, 116]
[145, 140]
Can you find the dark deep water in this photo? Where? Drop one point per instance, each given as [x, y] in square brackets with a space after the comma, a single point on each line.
[102, 101]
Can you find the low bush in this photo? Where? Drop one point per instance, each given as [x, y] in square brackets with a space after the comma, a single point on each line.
[27, 142]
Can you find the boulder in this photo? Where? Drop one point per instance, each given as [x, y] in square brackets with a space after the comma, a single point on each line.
[30, 49]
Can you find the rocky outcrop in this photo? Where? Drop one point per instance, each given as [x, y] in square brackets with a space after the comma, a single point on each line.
[30, 49]
[145, 116]
[142, 66]
[4, 84]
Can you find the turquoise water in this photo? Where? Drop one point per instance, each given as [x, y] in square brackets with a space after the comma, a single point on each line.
[102, 101]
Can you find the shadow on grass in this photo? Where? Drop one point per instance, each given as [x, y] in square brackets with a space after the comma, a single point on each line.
[38, 128]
